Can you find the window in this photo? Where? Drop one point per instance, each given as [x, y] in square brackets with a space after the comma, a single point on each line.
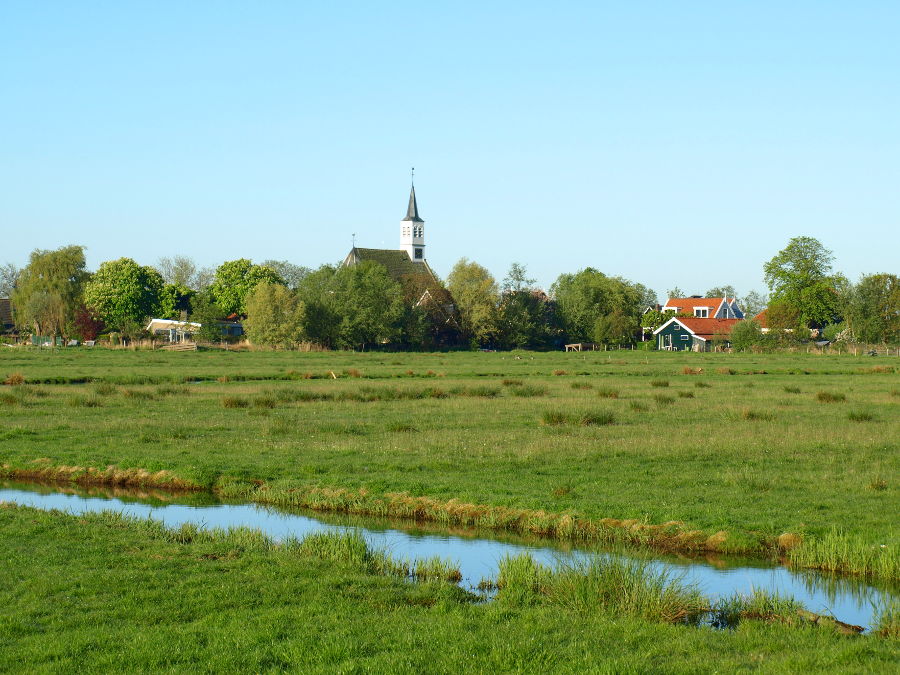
[701, 312]
[685, 337]
[418, 254]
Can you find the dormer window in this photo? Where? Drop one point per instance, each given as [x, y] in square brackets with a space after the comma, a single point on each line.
[701, 312]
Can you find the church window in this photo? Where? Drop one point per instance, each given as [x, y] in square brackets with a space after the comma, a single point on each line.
[418, 254]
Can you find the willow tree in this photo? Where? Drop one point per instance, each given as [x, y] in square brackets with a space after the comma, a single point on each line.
[48, 290]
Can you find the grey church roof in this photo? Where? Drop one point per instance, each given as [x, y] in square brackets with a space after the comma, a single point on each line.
[412, 211]
[397, 263]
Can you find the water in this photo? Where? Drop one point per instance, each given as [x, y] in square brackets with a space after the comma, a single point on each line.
[850, 600]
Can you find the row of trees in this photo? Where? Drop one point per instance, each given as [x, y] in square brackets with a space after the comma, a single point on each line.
[351, 307]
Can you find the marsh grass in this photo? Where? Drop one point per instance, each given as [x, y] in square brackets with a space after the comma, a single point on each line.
[435, 569]
[554, 418]
[688, 370]
[663, 399]
[791, 390]
[638, 406]
[860, 416]
[600, 584]
[887, 619]
[700, 384]
[84, 401]
[581, 385]
[138, 394]
[9, 399]
[659, 383]
[830, 397]
[754, 415]
[105, 389]
[607, 392]
[584, 419]
[837, 551]
[528, 391]
[596, 419]
[265, 401]
[685, 394]
[729, 611]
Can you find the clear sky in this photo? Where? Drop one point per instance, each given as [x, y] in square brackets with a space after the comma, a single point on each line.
[667, 142]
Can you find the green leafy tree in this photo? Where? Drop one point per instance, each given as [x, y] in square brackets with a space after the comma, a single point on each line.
[721, 292]
[476, 295]
[616, 328]
[209, 315]
[274, 316]
[178, 270]
[235, 279]
[48, 290]
[747, 334]
[175, 301]
[292, 274]
[873, 308]
[524, 314]
[369, 304]
[124, 294]
[675, 293]
[785, 323]
[801, 275]
[322, 317]
[584, 297]
[753, 303]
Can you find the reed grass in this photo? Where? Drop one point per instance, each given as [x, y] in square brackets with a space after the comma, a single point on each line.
[887, 619]
[837, 551]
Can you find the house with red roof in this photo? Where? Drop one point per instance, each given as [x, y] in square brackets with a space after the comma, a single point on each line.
[704, 308]
[691, 333]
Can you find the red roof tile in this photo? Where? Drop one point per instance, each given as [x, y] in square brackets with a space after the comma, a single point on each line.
[707, 328]
[762, 318]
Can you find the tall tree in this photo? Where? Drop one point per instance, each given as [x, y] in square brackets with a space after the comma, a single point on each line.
[292, 274]
[584, 297]
[175, 301]
[178, 270]
[9, 274]
[873, 308]
[124, 294]
[801, 276]
[726, 291]
[321, 318]
[369, 304]
[48, 290]
[274, 316]
[753, 303]
[476, 295]
[517, 279]
[235, 279]
[675, 293]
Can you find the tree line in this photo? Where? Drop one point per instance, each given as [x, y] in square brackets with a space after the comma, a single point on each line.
[360, 306]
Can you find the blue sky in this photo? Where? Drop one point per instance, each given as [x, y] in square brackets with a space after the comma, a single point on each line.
[670, 143]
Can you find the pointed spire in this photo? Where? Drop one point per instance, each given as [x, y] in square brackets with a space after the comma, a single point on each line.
[412, 211]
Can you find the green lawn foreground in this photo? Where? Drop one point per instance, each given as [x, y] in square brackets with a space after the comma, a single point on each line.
[751, 446]
[100, 593]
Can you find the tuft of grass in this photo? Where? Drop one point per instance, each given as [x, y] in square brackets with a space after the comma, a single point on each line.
[725, 371]
[662, 399]
[436, 569]
[756, 415]
[90, 401]
[223, 379]
[860, 416]
[401, 427]
[659, 383]
[265, 401]
[729, 611]
[687, 370]
[830, 397]
[792, 390]
[352, 372]
[700, 384]
[482, 391]
[887, 619]
[686, 394]
[235, 402]
[138, 394]
[596, 419]
[105, 389]
[847, 554]
[561, 491]
[606, 392]
[637, 406]
[560, 372]
[878, 484]
[554, 418]
[14, 380]
[581, 385]
[895, 393]
[10, 399]
[341, 547]
[512, 383]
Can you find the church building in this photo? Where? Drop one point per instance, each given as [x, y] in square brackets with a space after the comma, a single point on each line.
[408, 266]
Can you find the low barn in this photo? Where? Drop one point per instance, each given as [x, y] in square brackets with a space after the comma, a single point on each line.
[694, 334]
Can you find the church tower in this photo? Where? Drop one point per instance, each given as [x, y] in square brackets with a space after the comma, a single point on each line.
[412, 230]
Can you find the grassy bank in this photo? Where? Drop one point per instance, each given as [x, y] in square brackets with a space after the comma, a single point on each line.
[101, 592]
[728, 452]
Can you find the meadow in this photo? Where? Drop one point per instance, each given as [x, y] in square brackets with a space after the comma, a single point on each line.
[787, 455]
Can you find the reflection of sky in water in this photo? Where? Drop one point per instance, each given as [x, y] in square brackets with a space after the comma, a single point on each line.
[849, 600]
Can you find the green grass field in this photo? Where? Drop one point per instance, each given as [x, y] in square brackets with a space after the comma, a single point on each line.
[717, 451]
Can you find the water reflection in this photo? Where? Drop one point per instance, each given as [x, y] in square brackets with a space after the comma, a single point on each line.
[477, 552]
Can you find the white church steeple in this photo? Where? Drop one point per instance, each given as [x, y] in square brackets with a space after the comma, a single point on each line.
[412, 230]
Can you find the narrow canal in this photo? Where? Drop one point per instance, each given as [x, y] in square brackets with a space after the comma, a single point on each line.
[477, 553]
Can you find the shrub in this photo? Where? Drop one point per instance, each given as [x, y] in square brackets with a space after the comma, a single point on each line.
[830, 397]
[659, 383]
[15, 380]
[234, 402]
